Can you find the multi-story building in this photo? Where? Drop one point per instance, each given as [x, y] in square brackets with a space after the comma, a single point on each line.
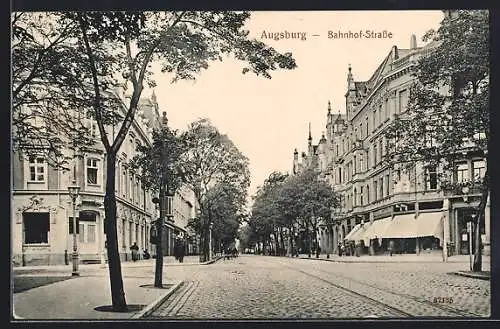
[380, 203]
[42, 223]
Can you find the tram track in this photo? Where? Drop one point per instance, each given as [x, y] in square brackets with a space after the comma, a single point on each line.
[446, 311]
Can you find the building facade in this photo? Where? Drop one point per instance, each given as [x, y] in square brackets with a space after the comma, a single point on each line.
[42, 214]
[380, 203]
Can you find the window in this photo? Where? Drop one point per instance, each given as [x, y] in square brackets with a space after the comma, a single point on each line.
[367, 193]
[375, 153]
[374, 126]
[431, 182]
[81, 229]
[366, 124]
[361, 195]
[375, 189]
[462, 175]
[367, 159]
[124, 181]
[130, 236]
[355, 166]
[380, 146]
[124, 242]
[361, 130]
[37, 169]
[92, 170]
[36, 227]
[479, 168]
[131, 185]
[340, 175]
[380, 116]
[137, 190]
[403, 100]
[387, 185]
[361, 163]
[355, 197]
[381, 187]
[386, 108]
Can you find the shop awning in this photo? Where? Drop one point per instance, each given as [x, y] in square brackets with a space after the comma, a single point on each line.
[375, 230]
[352, 233]
[401, 227]
[406, 226]
[430, 224]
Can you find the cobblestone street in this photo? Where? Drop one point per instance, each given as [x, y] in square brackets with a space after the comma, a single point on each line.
[256, 287]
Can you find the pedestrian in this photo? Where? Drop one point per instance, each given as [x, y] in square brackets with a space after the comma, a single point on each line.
[391, 247]
[339, 249]
[135, 251]
[146, 254]
[181, 251]
[176, 249]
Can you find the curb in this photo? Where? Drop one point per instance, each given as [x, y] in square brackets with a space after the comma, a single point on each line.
[472, 275]
[376, 261]
[155, 304]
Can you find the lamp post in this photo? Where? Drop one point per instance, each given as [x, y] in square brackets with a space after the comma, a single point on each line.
[74, 191]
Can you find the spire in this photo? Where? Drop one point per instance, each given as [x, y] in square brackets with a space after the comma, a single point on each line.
[310, 136]
[350, 79]
[329, 107]
[413, 42]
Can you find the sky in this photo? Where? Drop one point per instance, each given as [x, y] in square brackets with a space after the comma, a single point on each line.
[268, 118]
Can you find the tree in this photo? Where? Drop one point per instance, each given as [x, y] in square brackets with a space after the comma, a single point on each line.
[225, 212]
[128, 42]
[211, 160]
[160, 169]
[448, 110]
[48, 98]
[286, 201]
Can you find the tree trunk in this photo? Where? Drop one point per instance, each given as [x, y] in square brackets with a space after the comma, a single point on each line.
[282, 242]
[115, 270]
[159, 247]
[477, 266]
[316, 244]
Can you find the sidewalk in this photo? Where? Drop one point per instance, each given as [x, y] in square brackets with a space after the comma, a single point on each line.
[397, 258]
[92, 268]
[77, 297]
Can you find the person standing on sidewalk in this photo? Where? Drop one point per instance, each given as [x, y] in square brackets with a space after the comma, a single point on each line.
[391, 247]
[181, 251]
[135, 250]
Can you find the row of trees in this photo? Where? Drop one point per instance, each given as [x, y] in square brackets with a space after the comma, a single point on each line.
[71, 62]
[207, 162]
[286, 205]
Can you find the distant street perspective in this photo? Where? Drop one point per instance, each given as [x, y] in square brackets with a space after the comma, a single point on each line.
[168, 165]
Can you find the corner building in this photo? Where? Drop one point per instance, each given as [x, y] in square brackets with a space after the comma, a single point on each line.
[42, 214]
[380, 203]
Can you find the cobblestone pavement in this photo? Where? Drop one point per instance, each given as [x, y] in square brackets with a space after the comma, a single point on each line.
[257, 287]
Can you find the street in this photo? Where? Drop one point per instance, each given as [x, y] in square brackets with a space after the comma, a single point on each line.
[258, 287]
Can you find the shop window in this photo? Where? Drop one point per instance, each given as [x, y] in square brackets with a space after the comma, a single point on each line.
[36, 227]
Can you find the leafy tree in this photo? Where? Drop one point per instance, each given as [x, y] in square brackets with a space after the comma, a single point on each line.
[212, 160]
[448, 112]
[49, 102]
[160, 168]
[101, 44]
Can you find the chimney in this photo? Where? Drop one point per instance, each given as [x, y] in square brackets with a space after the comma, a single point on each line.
[395, 52]
[413, 42]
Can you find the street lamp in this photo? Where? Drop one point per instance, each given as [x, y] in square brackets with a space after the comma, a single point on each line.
[74, 191]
